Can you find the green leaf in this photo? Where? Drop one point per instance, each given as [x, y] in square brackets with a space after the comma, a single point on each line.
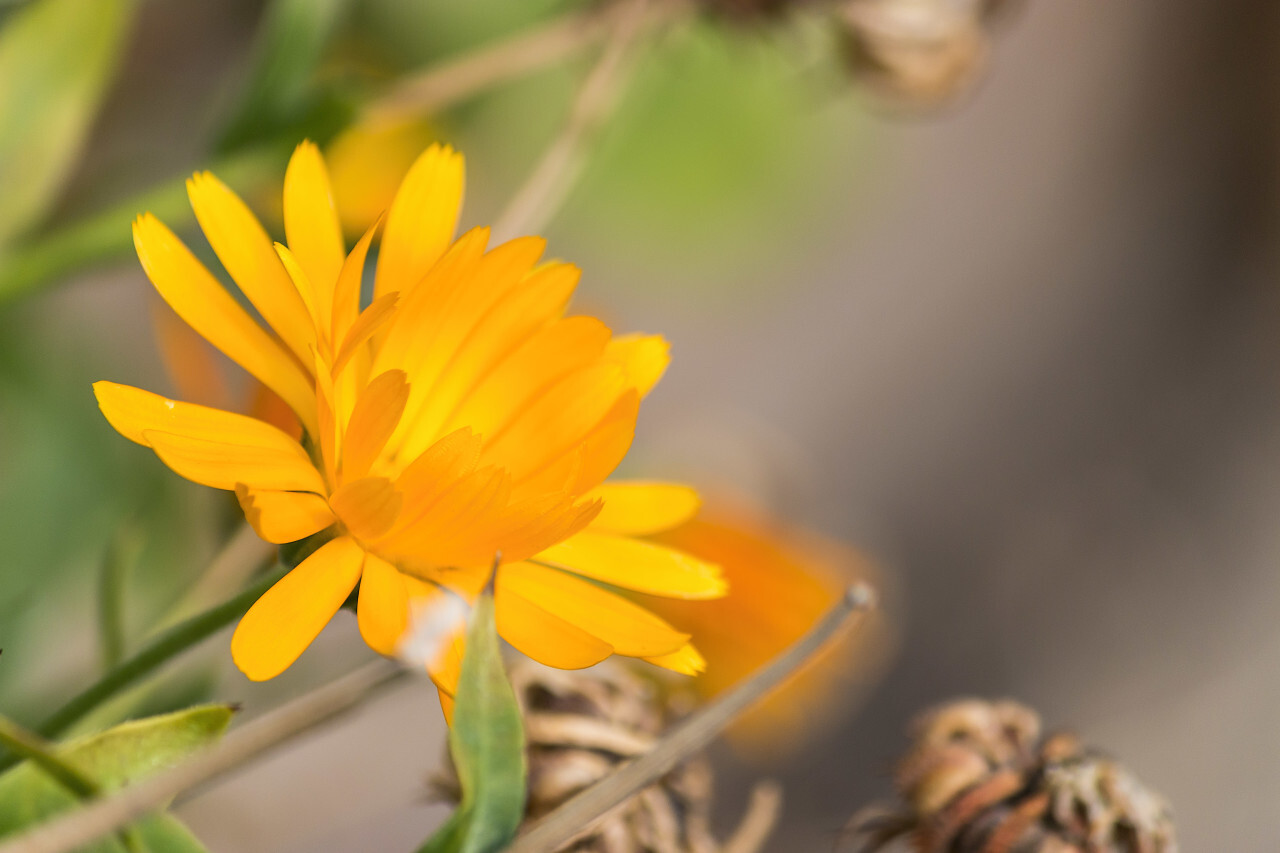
[487, 745]
[281, 95]
[114, 758]
[56, 59]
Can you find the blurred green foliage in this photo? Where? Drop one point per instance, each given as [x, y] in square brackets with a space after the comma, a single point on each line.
[283, 98]
[56, 61]
[69, 483]
[114, 758]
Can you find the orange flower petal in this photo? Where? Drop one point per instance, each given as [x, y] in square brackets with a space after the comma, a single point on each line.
[368, 506]
[643, 357]
[198, 298]
[244, 248]
[223, 465]
[311, 224]
[641, 508]
[686, 660]
[634, 564]
[290, 615]
[374, 418]
[383, 608]
[280, 517]
[346, 293]
[627, 627]
[422, 219]
[543, 636]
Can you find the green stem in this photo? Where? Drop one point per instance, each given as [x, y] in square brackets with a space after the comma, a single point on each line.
[160, 650]
[29, 745]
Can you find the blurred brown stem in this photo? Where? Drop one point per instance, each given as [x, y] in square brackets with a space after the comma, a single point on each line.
[543, 45]
[553, 177]
[243, 554]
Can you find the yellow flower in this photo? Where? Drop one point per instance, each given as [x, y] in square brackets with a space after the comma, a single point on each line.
[458, 422]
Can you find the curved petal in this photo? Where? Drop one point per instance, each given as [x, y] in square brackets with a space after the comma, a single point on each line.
[200, 300]
[627, 627]
[460, 316]
[346, 293]
[244, 248]
[281, 624]
[132, 411]
[566, 345]
[368, 506]
[280, 517]
[373, 419]
[554, 422]
[607, 445]
[533, 305]
[643, 357]
[686, 660]
[422, 219]
[383, 608]
[222, 465]
[210, 446]
[638, 565]
[541, 635]
[311, 225]
[640, 508]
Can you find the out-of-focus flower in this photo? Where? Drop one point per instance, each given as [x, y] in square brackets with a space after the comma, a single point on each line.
[782, 579]
[980, 780]
[366, 162]
[457, 423]
[580, 726]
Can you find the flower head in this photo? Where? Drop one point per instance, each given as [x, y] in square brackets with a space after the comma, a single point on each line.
[458, 422]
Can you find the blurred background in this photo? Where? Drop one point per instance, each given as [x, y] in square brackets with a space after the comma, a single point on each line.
[1020, 348]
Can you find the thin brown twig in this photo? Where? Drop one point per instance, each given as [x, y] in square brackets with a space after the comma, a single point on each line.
[762, 814]
[506, 59]
[542, 193]
[550, 832]
[241, 745]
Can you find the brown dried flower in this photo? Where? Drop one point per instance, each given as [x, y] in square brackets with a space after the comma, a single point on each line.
[979, 779]
[580, 725]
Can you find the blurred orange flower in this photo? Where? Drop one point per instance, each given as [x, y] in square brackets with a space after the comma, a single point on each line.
[782, 579]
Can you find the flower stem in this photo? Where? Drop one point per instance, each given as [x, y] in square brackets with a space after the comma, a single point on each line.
[26, 744]
[160, 650]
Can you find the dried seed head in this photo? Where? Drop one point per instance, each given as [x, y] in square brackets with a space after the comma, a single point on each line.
[923, 52]
[579, 726]
[979, 780]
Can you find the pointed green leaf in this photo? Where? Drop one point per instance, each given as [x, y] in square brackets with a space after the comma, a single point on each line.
[56, 59]
[487, 745]
[114, 758]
